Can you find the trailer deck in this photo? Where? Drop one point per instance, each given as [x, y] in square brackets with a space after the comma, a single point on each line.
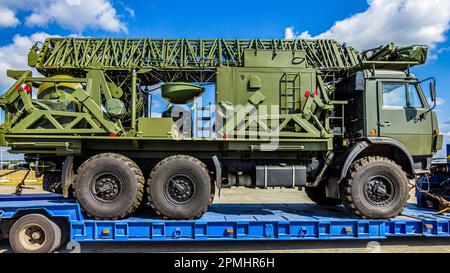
[232, 222]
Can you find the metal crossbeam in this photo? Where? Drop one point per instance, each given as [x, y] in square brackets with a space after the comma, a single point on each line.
[181, 54]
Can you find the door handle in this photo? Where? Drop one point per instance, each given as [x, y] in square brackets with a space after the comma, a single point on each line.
[385, 124]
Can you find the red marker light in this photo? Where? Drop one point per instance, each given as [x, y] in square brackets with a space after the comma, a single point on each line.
[225, 137]
[307, 94]
[27, 88]
[113, 135]
[316, 93]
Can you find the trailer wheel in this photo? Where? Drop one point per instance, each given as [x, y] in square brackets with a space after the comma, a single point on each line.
[319, 196]
[65, 230]
[109, 186]
[34, 233]
[375, 188]
[180, 188]
[52, 183]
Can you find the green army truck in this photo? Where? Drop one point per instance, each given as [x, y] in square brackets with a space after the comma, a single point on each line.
[348, 127]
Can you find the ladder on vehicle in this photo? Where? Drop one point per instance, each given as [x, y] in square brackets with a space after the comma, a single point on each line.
[290, 93]
[204, 124]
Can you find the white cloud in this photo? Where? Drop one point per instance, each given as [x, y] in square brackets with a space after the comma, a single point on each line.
[14, 55]
[290, 34]
[131, 12]
[404, 22]
[440, 101]
[74, 15]
[8, 18]
[78, 15]
[73, 2]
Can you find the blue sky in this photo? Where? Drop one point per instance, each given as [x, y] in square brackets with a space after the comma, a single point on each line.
[359, 22]
[203, 18]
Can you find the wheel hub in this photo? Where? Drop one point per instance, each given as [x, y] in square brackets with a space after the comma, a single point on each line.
[32, 237]
[36, 235]
[180, 189]
[107, 187]
[379, 191]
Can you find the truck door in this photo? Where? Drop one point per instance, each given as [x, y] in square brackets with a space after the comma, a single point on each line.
[401, 108]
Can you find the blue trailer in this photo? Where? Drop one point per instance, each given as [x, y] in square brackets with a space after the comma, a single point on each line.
[42, 223]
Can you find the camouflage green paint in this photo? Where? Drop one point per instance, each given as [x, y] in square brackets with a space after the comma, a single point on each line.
[295, 76]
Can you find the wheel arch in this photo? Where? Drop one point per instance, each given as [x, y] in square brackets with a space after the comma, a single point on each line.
[44, 211]
[19, 213]
[385, 147]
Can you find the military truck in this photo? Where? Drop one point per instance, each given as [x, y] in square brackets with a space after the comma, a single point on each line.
[348, 127]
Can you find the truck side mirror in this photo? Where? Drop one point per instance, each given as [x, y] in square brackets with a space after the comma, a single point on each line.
[433, 91]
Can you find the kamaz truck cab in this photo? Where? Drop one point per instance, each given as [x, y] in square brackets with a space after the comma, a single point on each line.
[392, 104]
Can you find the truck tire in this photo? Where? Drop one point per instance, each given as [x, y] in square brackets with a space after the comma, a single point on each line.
[51, 182]
[319, 196]
[34, 233]
[375, 188]
[64, 226]
[109, 186]
[179, 188]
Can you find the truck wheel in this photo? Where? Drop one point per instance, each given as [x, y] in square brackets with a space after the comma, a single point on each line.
[319, 196]
[109, 186]
[34, 233]
[52, 183]
[375, 188]
[179, 188]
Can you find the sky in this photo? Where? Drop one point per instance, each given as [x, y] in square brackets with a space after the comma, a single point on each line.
[360, 23]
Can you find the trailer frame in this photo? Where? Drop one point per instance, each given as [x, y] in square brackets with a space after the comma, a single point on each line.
[229, 222]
